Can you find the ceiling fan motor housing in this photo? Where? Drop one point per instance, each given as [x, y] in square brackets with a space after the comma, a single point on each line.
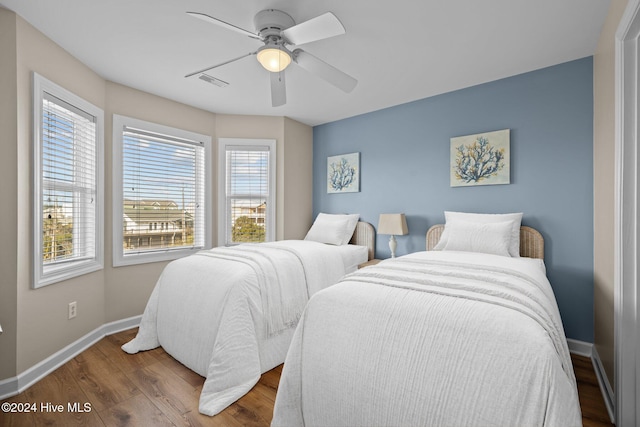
[271, 22]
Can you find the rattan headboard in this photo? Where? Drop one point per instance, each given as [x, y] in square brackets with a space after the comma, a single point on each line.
[365, 235]
[531, 241]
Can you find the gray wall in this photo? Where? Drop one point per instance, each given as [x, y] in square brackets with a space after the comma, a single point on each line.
[404, 163]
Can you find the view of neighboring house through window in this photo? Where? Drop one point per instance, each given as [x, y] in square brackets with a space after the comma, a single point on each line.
[68, 157]
[247, 180]
[162, 204]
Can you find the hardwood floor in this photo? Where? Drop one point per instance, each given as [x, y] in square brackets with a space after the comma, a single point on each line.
[594, 411]
[103, 386]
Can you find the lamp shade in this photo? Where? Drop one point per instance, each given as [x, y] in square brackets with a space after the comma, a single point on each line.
[273, 59]
[394, 224]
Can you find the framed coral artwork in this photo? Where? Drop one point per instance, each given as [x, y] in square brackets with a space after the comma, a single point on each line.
[343, 173]
[480, 159]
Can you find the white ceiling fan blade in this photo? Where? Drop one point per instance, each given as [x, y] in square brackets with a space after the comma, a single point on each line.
[223, 24]
[318, 28]
[278, 89]
[220, 64]
[325, 71]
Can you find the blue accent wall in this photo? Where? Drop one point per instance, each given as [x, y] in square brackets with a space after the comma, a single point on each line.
[404, 165]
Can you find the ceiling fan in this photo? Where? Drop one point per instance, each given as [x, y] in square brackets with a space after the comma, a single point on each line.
[279, 32]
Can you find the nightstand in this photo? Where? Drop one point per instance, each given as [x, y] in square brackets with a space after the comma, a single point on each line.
[368, 263]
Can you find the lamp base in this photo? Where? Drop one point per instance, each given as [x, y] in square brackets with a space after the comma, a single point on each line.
[393, 245]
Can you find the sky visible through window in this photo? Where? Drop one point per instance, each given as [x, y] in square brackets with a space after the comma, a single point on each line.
[249, 172]
[152, 170]
[58, 157]
[68, 182]
[157, 170]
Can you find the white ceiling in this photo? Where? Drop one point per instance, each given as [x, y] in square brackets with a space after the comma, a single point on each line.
[399, 51]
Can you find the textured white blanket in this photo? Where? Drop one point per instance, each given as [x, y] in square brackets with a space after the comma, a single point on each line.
[280, 275]
[433, 339]
[215, 311]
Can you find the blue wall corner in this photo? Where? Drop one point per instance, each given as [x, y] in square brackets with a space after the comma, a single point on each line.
[404, 165]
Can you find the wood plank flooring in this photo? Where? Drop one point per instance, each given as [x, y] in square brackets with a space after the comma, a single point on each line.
[594, 411]
[152, 389]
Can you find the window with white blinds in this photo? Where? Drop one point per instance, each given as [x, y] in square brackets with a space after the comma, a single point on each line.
[161, 197]
[68, 157]
[247, 180]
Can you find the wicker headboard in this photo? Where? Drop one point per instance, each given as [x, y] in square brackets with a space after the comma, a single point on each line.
[365, 235]
[531, 241]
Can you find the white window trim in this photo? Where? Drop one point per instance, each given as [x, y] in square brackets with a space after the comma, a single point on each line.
[223, 143]
[119, 258]
[56, 273]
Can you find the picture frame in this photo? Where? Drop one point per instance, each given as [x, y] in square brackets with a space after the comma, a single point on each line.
[480, 159]
[343, 173]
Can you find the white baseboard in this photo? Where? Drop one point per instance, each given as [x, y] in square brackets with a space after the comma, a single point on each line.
[12, 386]
[580, 348]
[589, 350]
[605, 385]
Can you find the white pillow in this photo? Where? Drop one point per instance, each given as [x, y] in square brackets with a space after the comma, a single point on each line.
[352, 222]
[333, 229]
[489, 238]
[514, 218]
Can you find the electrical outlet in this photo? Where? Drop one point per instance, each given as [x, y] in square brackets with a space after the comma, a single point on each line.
[73, 309]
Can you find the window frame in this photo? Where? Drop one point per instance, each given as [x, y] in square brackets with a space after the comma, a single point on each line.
[44, 275]
[270, 223]
[119, 257]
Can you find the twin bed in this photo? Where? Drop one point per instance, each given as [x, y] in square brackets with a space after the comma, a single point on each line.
[466, 333]
[229, 314]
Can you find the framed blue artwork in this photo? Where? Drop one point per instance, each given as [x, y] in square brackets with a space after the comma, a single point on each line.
[343, 173]
[480, 159]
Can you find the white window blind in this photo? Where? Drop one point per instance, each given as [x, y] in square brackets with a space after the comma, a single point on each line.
[68, 150]
[68, 182]
[162, 192]
[249, 211]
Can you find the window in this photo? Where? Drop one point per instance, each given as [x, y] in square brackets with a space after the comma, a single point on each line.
[161, 196]
[68, 182]
[247, 183]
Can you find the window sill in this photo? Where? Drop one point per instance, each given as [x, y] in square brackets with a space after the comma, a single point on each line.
[121, 260]
[58, 273]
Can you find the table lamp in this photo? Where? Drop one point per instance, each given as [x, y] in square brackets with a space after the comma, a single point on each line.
[395, 225]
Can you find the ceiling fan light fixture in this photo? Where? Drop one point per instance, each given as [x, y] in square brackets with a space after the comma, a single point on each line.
[273, 59]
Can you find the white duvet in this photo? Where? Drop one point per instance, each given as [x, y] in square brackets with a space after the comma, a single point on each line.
[228, 313]
[432, 339]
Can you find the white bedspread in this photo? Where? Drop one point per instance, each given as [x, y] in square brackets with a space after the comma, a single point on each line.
[216, 310]
[432, 339]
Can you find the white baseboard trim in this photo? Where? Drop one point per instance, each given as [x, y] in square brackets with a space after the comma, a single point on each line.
[589, 350]
[605, 385]
[580, 348]
[12, 386]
